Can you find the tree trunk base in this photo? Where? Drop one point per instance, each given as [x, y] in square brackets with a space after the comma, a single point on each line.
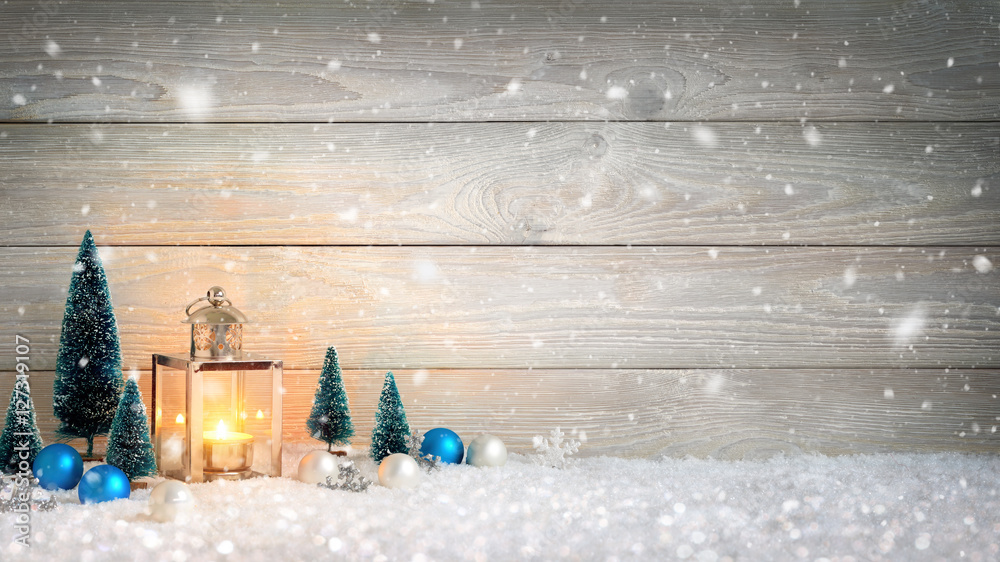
[339, 453]
[92, 458]
[138, 485]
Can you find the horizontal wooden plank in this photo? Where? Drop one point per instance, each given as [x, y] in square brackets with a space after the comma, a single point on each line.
[456, 60]
[501, 183]
[540, 307]
[647, 413]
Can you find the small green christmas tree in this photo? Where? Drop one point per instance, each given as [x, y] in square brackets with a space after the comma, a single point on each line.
[20, 432]
[88, 381]
[330, 419]
[128, 445]
[391, 429]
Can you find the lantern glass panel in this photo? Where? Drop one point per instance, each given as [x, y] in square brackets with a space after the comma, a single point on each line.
[217, 419]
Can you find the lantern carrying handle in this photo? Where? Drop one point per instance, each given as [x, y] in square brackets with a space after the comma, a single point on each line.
[216, 297]
[194, 302]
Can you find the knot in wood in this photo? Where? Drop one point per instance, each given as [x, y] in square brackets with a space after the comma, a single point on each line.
[645, 99]
[595, 146]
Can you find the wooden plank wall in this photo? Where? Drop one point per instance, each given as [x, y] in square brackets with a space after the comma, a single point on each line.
[685, 228]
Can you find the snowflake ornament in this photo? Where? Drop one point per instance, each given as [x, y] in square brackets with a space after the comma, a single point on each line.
[349, 479]
[555, 452]
[430, 463]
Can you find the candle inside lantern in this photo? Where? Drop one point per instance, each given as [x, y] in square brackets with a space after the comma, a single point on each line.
[227, 451]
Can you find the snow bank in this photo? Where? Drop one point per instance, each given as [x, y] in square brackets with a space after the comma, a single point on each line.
[883, 507]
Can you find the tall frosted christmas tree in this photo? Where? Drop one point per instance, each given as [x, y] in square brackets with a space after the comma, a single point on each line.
[330, 419]
[129, 447]
[391, 430]
[88, 382]
[20, 432]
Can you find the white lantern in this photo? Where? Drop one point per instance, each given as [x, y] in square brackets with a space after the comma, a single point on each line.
[217, 413]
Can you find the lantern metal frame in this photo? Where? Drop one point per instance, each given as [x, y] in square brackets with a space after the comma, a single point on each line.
[193, 462]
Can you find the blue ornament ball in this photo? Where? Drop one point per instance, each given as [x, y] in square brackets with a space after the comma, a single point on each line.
[58, 467]
[104, 483]
[444, 443]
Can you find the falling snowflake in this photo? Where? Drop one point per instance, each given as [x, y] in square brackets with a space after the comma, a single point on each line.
[705, 136]
[52, 49]
[982, 264]
[617, 93]
[555, 451]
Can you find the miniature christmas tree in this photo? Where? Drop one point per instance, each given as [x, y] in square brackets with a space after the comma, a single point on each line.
[391, 429]
[330, 419]
[88, 381]
[20, 432]
[128, 445]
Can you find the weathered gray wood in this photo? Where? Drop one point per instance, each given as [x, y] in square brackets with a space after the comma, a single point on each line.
[552, 307]
[646, 413]
[456, 60]
[501, 183]
[519, 340]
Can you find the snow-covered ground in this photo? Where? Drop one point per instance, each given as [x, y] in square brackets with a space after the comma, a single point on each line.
[886, 507]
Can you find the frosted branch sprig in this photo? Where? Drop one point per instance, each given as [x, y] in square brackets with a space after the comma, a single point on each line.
[349, 478]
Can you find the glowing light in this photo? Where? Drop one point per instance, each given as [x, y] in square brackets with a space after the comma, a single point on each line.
[180, 418]
[260, 414]
[220, 431]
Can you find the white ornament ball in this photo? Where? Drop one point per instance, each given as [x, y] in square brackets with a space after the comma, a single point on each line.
[316, 466]
[399, 471]
[486, 450]
[170, 500]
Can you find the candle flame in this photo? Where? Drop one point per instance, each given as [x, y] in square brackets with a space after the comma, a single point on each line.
[220, 431]
[260, 415]
[180, 418]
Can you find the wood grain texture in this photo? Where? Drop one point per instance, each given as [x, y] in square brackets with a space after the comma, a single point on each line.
[730, 414]
[454, 60]
[552, 307]
[501, 183]
[610, 242]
